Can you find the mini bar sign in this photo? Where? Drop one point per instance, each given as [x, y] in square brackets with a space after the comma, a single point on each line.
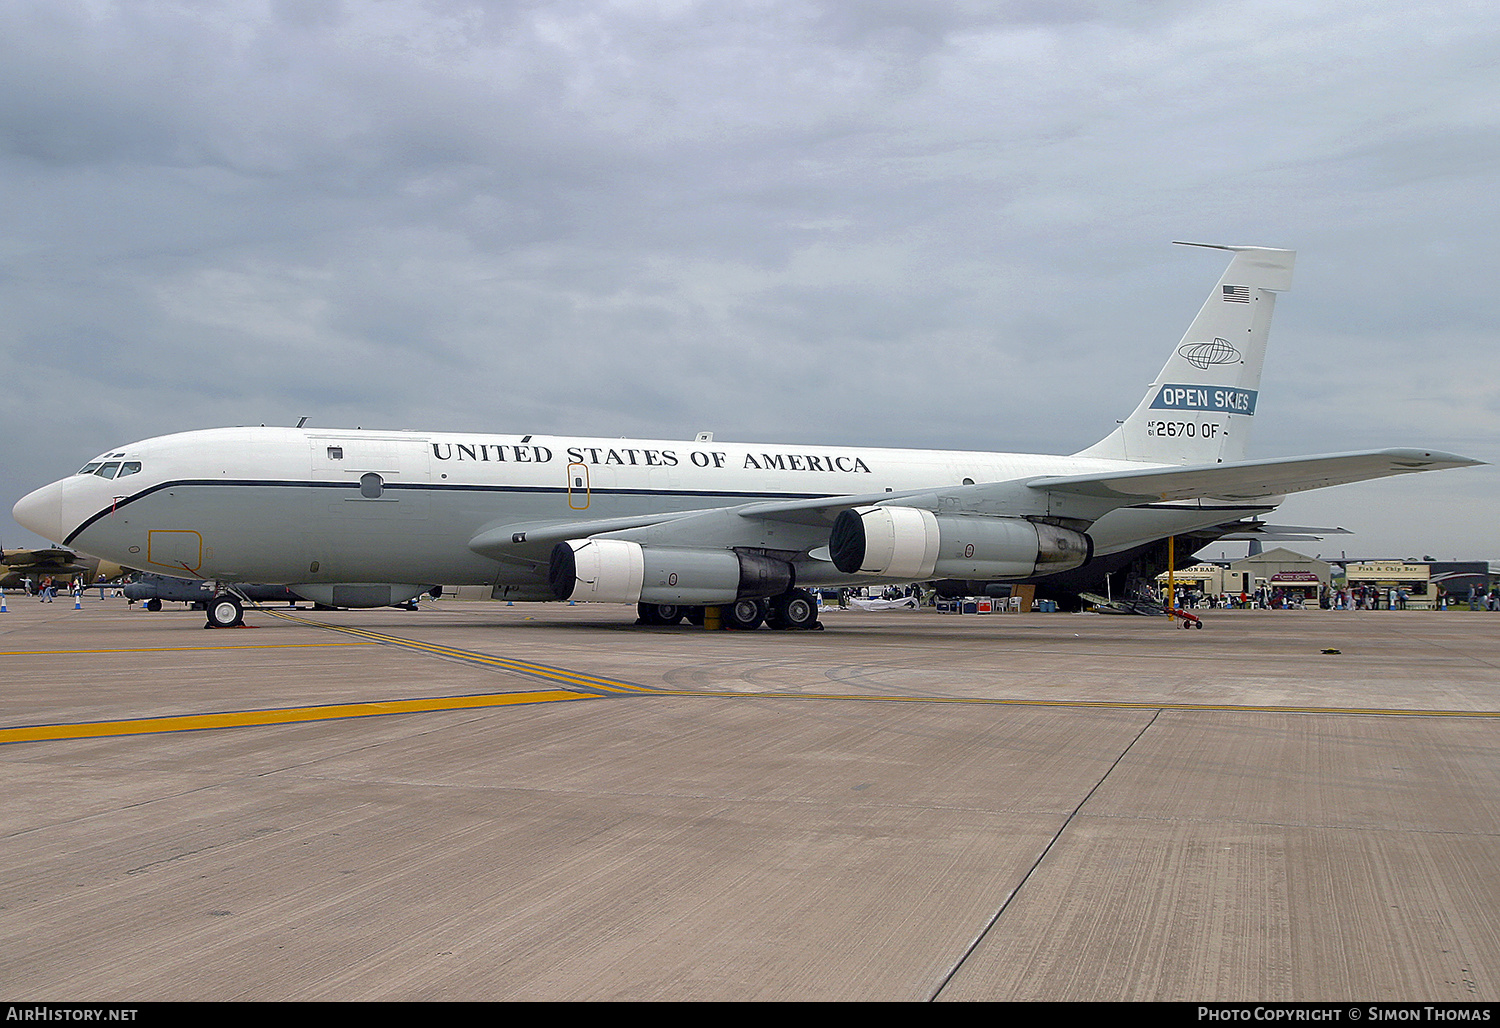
[626, 456]
[1214, 399]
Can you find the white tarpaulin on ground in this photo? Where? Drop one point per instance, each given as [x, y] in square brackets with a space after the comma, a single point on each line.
[905, 603]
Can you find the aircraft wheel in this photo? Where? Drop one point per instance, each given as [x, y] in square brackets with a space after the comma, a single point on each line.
[660, 613]
[226, 611]
[153, 604]
[793, 610]
[744, 615]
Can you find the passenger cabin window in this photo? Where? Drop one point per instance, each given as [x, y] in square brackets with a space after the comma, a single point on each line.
[335, 453]
[371, 485]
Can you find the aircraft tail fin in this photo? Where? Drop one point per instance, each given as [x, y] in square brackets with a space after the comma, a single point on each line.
[1202, 404]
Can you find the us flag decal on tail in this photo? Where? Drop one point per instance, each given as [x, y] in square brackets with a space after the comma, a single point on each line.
[1236, 294]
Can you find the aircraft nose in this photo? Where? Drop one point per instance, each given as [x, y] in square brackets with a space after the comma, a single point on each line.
[41, 511]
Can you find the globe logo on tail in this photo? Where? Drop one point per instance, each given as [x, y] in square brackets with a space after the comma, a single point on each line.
[1206, 355]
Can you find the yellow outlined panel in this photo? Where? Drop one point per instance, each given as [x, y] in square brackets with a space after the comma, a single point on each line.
[178, 549]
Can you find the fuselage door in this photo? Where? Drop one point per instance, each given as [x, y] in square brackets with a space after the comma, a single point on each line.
[369, 495]
[366, 476]
[346, 458]
[578, 486]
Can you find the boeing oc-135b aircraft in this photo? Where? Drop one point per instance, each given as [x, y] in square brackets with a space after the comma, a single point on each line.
[366, 519]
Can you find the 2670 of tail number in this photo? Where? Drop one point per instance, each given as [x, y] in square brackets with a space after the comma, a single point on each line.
[1191, 429]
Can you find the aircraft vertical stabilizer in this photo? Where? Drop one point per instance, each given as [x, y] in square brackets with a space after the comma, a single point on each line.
[1202, 404]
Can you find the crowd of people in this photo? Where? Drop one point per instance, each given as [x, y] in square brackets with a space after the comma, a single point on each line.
[1358, 597]
[45, 589]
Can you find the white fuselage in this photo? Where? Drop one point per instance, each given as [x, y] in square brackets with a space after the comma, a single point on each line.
[282, 505]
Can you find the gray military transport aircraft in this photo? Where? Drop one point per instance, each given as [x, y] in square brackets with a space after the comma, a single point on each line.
[370, 519]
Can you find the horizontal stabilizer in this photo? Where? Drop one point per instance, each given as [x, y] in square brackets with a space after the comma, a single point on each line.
[1253, 479]
[1262, 532]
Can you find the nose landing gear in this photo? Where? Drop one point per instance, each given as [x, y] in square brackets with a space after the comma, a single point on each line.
[225, 611]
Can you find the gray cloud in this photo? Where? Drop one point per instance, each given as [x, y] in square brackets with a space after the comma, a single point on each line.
[894, 223]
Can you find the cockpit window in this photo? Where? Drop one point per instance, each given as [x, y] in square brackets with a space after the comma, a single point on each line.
[111, 469]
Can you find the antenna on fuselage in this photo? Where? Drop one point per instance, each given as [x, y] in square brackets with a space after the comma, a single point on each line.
[302, 421]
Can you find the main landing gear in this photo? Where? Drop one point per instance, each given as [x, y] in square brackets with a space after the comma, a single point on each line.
[660, 614]
[792, 610]
[795, 610]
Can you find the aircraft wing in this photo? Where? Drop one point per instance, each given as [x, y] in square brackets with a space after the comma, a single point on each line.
[1239, 480]
[1253, 479]
[532, 542]
[51, 557]
[822, 510]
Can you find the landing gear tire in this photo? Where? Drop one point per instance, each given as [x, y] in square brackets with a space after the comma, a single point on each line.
[660, 614]
[225, 611]
[795, 610]
[153, 604]
[743, 615]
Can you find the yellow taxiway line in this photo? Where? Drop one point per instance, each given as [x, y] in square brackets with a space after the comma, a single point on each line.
[575, 686]
[379, 708]
[180, 649]
[279, 716]
[591, 683]
[1250, 708]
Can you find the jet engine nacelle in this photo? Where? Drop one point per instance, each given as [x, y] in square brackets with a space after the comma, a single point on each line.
[619, 571]
[907, 543]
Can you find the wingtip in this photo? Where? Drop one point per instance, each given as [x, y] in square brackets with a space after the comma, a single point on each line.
[1456, 460]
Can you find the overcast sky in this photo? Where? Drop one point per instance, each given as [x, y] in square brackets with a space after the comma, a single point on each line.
[903, 222]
